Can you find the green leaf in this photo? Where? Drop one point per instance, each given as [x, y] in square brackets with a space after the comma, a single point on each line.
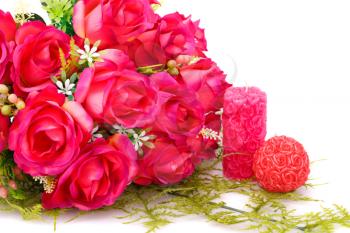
[17, 194]
[87, 41]
[156, 206]
[54, 79]
[73, 78]
[63, 75]
[97, 44]
[60, 13]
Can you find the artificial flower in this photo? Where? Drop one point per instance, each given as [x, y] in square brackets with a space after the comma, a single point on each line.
[112, 22]
[164, 164]
[173, 35]
[113, 93]
[38, 55]
[47, 135]
[97, 178]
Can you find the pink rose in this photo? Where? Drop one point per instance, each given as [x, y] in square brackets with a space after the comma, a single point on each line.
[173, 35]
[112, 21]
[4, 131]
[7, 26]
[154, 2]
[165, 164]
[97, 178]
[37, 55]
[7, 45]
[6, 50]
[205, 148]
[208, 82]
[47, 134]
[181, 115]
[115, 95]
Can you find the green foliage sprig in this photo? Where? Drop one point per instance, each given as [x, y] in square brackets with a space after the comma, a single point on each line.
[200, 194]
[60, 12]
[25, 198]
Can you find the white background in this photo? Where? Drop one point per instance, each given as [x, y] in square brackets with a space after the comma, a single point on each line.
[299, 53]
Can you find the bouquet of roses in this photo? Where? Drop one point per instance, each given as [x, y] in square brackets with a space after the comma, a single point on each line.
[113, 97]
[123, 100]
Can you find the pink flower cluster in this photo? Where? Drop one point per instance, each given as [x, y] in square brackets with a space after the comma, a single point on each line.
[148, 123]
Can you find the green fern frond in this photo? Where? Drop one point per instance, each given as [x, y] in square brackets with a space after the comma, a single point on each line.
[156, 206]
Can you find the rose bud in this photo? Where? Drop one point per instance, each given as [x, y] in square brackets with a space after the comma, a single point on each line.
[3, 192]
[12, 184]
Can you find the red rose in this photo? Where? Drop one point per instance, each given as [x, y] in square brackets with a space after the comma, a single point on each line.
[97, 178]
[112, 21]
[173, 35]
[37, 55]
[7, 26]
[6, 50]
[116, 95]
[208, 82]
[205, 148]
[181, 115]
[165, 164]
[4, 131]
[46, 136]
[7, 45]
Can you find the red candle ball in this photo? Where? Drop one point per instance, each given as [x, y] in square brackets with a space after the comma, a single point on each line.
[281, 165]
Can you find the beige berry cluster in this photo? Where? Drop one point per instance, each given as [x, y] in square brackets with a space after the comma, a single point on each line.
[10, 103]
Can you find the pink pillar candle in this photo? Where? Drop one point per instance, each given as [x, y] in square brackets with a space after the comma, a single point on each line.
[244, 129]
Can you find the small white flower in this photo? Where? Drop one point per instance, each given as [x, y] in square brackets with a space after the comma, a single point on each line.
[66, 89]
[48, 182]
[208, 133]
[139, 139]
[120, 129]
[88, 54]
[95, 134]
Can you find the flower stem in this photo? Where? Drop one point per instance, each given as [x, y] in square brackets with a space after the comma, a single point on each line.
[232, 209]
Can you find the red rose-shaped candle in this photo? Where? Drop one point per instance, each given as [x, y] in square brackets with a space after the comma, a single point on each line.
[281, 165]
[244, 129]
